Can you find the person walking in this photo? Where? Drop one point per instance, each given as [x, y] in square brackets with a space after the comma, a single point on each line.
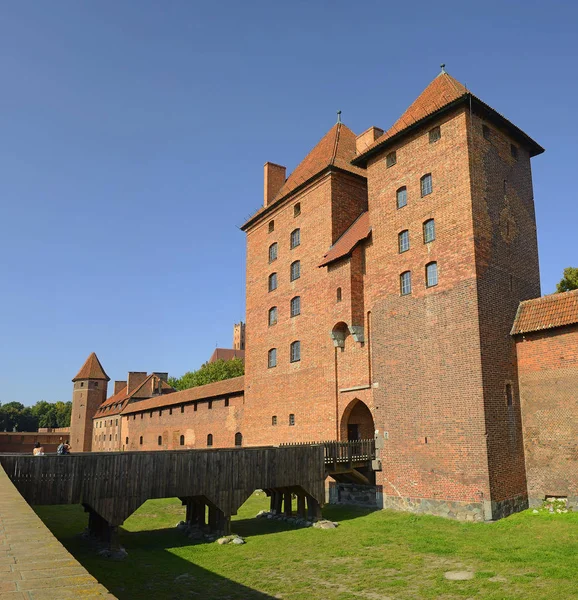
[38, 450]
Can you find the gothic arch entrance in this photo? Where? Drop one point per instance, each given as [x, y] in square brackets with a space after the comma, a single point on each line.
[357, 422]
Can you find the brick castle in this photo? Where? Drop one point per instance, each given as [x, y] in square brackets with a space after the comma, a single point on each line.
[393, 292]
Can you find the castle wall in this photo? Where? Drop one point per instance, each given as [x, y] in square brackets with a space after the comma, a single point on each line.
[548, 379]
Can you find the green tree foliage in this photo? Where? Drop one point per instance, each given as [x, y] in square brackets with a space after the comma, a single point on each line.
[208, 373]
[569, 281]
[14, 416]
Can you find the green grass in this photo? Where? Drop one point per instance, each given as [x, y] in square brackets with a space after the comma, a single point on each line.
[376, 555]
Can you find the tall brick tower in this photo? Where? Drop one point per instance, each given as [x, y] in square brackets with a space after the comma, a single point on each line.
[89, 392]
[239, 336]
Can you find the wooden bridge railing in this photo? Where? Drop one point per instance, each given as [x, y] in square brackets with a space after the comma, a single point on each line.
[343, 455]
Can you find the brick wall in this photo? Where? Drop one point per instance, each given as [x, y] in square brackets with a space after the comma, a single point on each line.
[548, 378]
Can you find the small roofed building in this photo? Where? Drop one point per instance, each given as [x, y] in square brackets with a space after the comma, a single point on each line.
[107, 421]
[546, 334]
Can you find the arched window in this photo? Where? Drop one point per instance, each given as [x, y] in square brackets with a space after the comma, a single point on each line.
[182, 440]
[274, 420]
[295, 270]
[140, 440]
[272, 315]
[401, 197]
[160, 440]
[291, 420]
[210, 439]
[295, 306]
[339, 297]
[403, 241]
[272, 282]
[429, 231]
[238, 439]
[431, 274]
[295, 351]
[426, 185]
[271, 226]
[273, 252]
[295, 238]
[405, 283]
[272, 358]
[297, 209]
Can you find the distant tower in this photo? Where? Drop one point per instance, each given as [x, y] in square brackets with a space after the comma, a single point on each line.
[89, 392]
[239, 336]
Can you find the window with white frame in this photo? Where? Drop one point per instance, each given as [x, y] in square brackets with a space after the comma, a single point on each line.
[295, 238]
[272, 315]
[405, 283]
[295, 270]
[429, 231]
[272, 358]
[431, 274]
[272, 282]
[295, 306]
[403, 241]
[273, 252]
[295, 351]
[426, 185]
[401, 197]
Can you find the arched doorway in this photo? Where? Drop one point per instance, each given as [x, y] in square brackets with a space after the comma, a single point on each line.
[357, 422]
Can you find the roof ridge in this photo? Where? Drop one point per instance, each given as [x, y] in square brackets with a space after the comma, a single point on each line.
[335, 144]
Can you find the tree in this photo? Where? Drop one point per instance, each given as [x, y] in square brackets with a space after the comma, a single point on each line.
[208, 373]
[569, 281]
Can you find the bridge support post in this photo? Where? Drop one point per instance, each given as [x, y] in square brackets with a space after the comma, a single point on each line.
[276, 502]
[287, 504]
[301, 510]
[313, 509]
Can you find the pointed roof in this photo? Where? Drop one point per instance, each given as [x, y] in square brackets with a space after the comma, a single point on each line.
[335, 149]
[91, 369]
[441, 94]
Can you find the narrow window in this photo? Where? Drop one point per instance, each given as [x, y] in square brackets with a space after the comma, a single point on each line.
[339, 297]
[429, 231]
[271, 226]
[126, 441]
[272, 282]
[82, 384]
[509, 394]
[182, 408]
[274, 420]
[151, 414]
[405, 283]
[210, 439]
[226, 401]
[390, 159]
[295, 270]
[401, 196]
[160, 440]
[273, 252]
[295, 306]
[210, 406]
[140, 440]
[238, 439]
[431, 274]
[182, 440]
[160, 412]
[514, 151]
[434, 135]
[272, 315]
[403, 240]
[110, 438]
[196, 406]
[142, 415]
[486, 131]
[297, 209]
[272, 362]
[295, 238]
[291, 419]
[295, 351]
[170, 411]
[426, 185]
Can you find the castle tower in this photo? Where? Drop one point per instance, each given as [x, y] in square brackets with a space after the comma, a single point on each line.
[239, 336]
[89, 392]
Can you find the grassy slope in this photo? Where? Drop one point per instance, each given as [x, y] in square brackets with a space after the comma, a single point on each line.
[372, 555]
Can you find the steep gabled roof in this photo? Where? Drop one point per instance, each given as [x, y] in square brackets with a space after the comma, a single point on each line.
[547, 312]
[442, 93]
[226, 354]
[357, 231]
[335, 149]
[91, 369]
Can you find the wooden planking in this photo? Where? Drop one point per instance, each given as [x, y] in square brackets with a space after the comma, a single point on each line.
[115, 484]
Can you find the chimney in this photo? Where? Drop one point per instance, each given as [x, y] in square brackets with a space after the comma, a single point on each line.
[118, 385]
[135, 378]
[274, 180]
[365, 139]
[163, 376]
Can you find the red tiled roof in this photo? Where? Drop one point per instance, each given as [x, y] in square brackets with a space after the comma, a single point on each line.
[336, 148]
[358, 230]
[91, 369]
[226, 354]
[235, 385]
[555, 310]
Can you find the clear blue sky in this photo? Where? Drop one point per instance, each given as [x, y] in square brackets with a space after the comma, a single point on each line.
[133, 136]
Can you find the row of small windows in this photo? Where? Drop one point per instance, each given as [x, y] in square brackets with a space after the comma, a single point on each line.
[182, 408]
[295, 241]
[294, 354]
[296, 213]
[294, 273]
[426, 187]
[434, 134]
[431, 278]
[295, 309]
[238, 440]
[101, 423]
[429, 235]
[291, 420]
